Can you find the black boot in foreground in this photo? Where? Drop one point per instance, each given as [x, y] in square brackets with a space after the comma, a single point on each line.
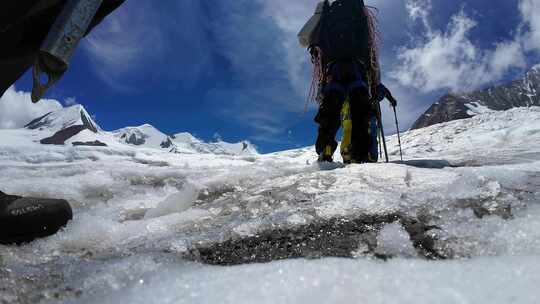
[24, 219]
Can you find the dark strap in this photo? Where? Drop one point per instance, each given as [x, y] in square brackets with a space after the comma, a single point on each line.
[5, 199]
[12, 197]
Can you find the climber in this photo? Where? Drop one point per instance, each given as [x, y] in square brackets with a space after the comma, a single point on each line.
[342, 39]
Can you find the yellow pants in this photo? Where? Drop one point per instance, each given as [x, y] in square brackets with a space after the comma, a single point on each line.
[346, 141]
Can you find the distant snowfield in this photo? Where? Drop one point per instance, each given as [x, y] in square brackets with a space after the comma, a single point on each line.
[138, 211]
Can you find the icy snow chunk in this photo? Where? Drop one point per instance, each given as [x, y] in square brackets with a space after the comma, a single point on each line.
[175, 203]
[327, 166]
[296, 219]
[179, 246]
[87, 232]
[248, 229]
[393, 240]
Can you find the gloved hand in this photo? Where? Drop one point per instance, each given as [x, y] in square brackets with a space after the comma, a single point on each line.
[381, 92]
[392, 100]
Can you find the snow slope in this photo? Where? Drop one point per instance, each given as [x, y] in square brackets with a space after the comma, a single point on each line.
[143, 216]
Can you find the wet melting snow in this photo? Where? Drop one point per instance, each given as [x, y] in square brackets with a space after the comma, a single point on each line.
[140, 212]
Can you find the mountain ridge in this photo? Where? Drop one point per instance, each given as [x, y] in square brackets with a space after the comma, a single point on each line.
[522, 92]
[71, 124]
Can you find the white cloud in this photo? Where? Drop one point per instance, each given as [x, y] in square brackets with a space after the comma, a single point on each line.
[122, 43]
[17, 109]
[450, 59]
[419, 10]
[143, 42]
[505, 56]
[290, 16]
[530, 11]
[257, 109]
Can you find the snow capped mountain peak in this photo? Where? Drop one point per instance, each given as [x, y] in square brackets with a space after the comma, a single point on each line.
[66, 125]
[187, 143]
[243, 147]
[67, 117]
[74, 125]
[185, 137]
[532, 75]
[145, 135]
[147, 126]
[148, 136]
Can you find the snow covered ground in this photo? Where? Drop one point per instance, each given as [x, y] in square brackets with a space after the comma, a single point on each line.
[141, 216]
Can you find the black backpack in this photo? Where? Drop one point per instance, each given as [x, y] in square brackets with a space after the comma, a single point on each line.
[344, 31]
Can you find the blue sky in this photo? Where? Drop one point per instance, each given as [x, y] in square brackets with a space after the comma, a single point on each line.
[234, 67]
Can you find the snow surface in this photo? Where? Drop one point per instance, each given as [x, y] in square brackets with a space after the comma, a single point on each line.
[138, 210]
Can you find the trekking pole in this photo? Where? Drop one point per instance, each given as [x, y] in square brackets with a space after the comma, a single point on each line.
[381, 128]
[393, 101]
[398, 135]
[380, 145]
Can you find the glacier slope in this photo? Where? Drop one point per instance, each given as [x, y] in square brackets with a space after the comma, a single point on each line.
[474, 184]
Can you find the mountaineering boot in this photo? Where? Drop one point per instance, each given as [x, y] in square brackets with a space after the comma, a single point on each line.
[23, 219]
[328, 118]
[326, 156]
